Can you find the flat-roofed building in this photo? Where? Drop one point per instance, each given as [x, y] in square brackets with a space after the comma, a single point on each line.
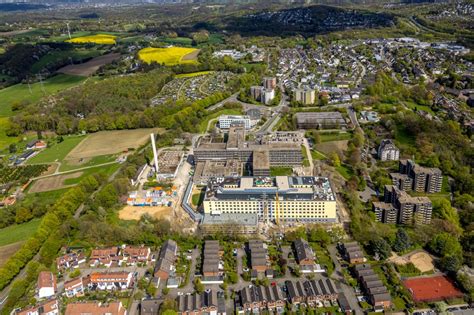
[256, 92]
[208, 169]
[281, 198]
[320, 120]
[425, 179]
[226, 121]
[261, 163]
[237, 148]
[230, 223]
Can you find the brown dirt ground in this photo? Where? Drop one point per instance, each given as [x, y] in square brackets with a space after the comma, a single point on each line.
[191, 56]
[110, 142]
[8, 250]
[135, 213]
[332, 146]
[52, 183]
[51, 169]
[421, 259]
[90, 67]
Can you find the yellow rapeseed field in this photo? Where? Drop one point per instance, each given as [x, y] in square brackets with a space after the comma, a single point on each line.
[101, 39]
[169, 56]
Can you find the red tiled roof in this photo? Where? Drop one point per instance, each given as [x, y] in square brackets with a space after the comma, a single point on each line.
[427, 289]
[95, 308]
[46, 279]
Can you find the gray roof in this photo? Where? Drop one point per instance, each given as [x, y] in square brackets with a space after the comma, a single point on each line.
[303, 250]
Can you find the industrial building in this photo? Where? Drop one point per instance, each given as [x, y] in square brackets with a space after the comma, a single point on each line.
[305, 96]
[320, 120]
[279, 199]
[400, 208]
[237, 148]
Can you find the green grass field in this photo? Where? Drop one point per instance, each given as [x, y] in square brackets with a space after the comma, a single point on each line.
[281, 171]
[57, 152]
[107, 170]
[326, 137]
[185, 41]
[64, 55]
[21, 92]
[316, 155]
[20, 232]
[96, 160]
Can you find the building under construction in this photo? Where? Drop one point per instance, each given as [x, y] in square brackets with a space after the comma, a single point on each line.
[278, 199]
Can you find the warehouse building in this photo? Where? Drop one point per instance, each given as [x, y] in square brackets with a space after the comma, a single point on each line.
[281, 198]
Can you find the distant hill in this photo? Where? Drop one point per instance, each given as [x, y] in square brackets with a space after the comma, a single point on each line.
[311, 20]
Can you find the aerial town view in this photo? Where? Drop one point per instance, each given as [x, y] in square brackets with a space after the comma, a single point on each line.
[228, 157]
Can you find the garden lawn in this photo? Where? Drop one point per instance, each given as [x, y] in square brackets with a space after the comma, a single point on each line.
[327, 137]
[57, 152]
[281, 171]
[18, 232]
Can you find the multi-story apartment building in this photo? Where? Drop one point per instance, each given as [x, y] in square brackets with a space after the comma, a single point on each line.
[269, 83]
[281, 198]
[388, 151]
[305, 95]
[425, 179]
[401, 208]
[237, 148]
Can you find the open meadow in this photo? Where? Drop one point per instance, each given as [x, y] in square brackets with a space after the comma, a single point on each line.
[18, 232]
[100, 39]
[109, 142]
[169, 56]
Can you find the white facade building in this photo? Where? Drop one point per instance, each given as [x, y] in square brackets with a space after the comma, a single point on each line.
[388, 151]
[226, 121]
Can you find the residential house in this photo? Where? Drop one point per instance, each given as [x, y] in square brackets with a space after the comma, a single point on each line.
[76, 287]
[46, 284]
[50, 307]
[165, 264]
[36, 144]
[194, 304]
[70, 261]
[258, 256]
[95, 308]
[150, 306]
[311, 292]
[305, 257]
[105, 257]
[258, 298]
[353, 253]
[133, 255]
[120, 280]
[212, 264]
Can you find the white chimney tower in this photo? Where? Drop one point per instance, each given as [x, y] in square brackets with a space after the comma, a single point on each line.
[155, 154]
